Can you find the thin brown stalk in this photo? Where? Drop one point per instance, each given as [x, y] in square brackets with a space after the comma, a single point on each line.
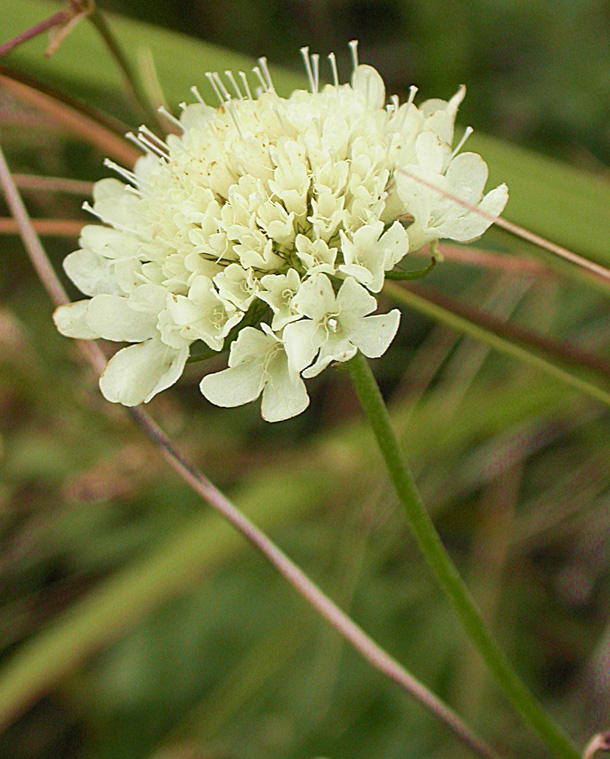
[76, 120]
[57, 19]
[565, 352]
[310, 592]
[558, 250]
[59, 33]
[44, 227]
[53, 184]
[490, 259]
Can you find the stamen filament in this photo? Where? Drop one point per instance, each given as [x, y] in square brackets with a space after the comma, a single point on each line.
[308, 69]
[333, 65]
[210, 77]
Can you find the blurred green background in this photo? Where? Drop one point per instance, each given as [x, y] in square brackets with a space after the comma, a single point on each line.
[537, 72]
[166, 636]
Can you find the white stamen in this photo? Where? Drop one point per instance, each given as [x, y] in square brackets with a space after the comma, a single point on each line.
[138, 142]
[307, 62]
[263, 64]
[353, 46]
[333, 66]
[221, 87]
[144, 144]
[197, 94]
[315, 59]
[210, 77]
[278, 115]
[260, 78]
[395, 103]
[170, 117]
[412, 93]
[230, 106]
[246, 85]
[153, 137]
[467, 132]
[231, 78]
[128, 175]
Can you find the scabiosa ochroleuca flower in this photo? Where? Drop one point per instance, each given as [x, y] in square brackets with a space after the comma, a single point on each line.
[280, 215]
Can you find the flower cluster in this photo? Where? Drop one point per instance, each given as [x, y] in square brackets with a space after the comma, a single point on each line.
[280, 215]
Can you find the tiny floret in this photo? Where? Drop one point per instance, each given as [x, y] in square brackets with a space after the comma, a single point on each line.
[266, 227]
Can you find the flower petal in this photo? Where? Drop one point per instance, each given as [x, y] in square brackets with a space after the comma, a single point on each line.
[354, 302]
[70, 320]
[467, 174]
[334, 349]
[368, 82]
[233, 386]
[285, 394]
[471, 224]
[110, 317]
[315, 297]
[137, 373]
[374, 334]
[302, 340]
[394, 244]
[90, 272]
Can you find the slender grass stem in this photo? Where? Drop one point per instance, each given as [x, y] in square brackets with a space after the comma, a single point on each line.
[134, 86]
[443, 568]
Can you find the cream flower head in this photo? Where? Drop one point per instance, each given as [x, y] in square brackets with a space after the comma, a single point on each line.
[268, 224]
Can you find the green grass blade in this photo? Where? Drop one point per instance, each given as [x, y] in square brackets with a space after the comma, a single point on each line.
[571, 376]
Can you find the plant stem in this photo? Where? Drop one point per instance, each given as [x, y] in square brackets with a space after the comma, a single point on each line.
[132, 80]
[443, 568]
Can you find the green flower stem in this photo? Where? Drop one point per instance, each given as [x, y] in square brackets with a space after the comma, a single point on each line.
[132, 80]
[444, 570]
